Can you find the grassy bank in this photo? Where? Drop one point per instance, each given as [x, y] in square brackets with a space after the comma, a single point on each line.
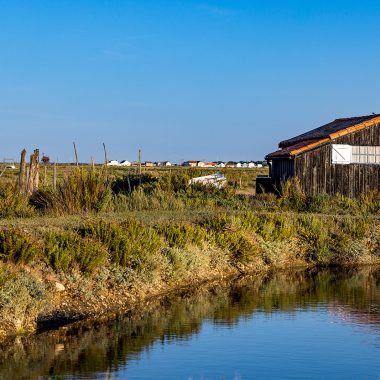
[99, 242]
[84, 266]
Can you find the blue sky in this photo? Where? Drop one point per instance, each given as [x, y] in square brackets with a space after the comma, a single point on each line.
[181, 79]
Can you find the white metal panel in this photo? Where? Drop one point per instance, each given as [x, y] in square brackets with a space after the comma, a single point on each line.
[341, 154]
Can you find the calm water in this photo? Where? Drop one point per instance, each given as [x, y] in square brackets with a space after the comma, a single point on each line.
[296, 325]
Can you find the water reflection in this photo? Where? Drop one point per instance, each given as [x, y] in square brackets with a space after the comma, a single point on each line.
[90, 350]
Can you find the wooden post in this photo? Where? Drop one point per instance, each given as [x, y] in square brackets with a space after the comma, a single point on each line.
[22, 174]
[105, 154]
[33, 177]
[36, 177]
[45, 174]
[140, 181]
[76, 154]
[55, 176]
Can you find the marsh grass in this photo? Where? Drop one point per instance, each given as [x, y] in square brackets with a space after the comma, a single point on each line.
[82, 190]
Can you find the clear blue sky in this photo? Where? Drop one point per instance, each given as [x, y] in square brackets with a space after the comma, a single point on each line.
[181, 79]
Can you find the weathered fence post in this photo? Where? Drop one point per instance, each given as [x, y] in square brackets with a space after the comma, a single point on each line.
[140, 181]
[33, 178]
[55, 176]
[22, 174]
[76, 154]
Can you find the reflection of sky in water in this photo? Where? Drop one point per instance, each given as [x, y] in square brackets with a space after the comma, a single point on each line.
[309, 344]
[293, 325]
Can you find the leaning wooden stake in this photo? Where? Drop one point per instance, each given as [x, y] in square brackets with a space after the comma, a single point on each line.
[76, 154]
[140, 166]
[22, 174]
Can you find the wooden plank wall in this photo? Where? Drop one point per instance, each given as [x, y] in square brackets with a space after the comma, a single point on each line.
[319, 175]
[282, 168]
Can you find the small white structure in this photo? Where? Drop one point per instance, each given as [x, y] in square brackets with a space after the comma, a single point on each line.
[251, 164]
[238, 165]
[220, 164]
[259, 165]
[113, 163]
[125, 163]
[201, 164]
[167, 163]
[217, 179]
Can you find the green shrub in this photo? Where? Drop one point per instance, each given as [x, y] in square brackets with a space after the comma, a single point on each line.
[273, 227]
[249, 220]
[62, 249]
[292, 196]
[184, 234]
[355, 227]
[129, 244]
[13, 204]
[369, 203]
[236, 244]
[218, 224]
[17, 247]
[315, 232]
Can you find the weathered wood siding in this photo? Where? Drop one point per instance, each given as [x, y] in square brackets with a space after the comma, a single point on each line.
[282, 168]
[318, 175]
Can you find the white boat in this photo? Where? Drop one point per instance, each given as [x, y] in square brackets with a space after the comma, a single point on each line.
[218, 180]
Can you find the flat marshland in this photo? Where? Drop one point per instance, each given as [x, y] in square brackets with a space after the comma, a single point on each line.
[104, 239]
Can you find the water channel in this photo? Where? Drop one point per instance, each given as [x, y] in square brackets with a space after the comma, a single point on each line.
[305, 324]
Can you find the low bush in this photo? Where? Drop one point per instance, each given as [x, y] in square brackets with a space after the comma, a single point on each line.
[218, 224]
[273, 227]
[249, 220]
[63, 249]
[292, 196]
[13, 204]
[315, 232]
[17, 247]
[128, 244]
[235, 244]
[181, 235]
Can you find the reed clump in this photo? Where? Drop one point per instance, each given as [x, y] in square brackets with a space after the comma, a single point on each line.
[82, 190]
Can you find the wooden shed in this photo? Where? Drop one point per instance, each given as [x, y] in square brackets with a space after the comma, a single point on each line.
[340, 157]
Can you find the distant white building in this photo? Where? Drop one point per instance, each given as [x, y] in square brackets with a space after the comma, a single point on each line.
[259, 165]
[167, 163]
[190, 163]
[220, 164]
[251, 165]
[125, 163]
[113, 163]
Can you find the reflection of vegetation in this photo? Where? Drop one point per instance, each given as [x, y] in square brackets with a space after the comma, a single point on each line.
[90, 348]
